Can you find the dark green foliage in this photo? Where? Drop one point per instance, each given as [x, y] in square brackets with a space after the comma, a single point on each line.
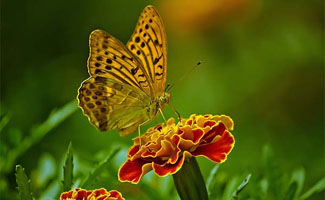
[68, 170]
[273, 174]
[23, 183]
[263, 187]
[38, 132]
[101, 172]
[211, 182]
[318, 187]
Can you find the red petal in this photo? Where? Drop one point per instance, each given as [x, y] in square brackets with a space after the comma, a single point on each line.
[216, 130]
[174, 158]
[197, 135]
[66, 195]
[209, 123]
[82, 194]
[116, 194]
[164, 170]
[99, 191]
[216, 151]
[132, 171]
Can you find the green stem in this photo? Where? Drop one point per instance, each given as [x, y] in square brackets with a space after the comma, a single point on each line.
[189, 181]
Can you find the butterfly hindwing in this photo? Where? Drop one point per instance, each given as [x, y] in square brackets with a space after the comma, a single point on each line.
[148, 43]
[111, 105]
[111, 59]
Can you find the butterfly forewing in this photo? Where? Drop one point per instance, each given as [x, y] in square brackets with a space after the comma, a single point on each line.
[148, 43]
[111, 59]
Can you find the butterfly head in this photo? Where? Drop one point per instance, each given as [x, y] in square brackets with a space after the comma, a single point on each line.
[164, 99]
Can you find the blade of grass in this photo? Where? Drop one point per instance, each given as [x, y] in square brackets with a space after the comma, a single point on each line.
[23, 183]
[296, 184]
[273, 174]
[241, 187]
[230, 188]
[88, 183]
[318, 187]
[212, 181]
[68, 170]
[4, 121]
[53, 120]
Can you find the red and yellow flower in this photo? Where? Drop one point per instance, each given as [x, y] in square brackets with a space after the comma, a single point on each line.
[165, 147]
[98, 194]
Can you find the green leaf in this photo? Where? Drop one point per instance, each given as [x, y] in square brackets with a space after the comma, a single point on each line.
[23, 183]
[212, 181]
[4, 121]
[53, 120]
[318, 187]
[68, 170]
[15, 136]
[93, 177]
[296, 184]
[273, 174]
[241, 187]
[230, 188]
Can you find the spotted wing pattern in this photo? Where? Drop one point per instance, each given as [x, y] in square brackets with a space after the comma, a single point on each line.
[112, 105]
[124, 81]
[111, 59]
[148, 44]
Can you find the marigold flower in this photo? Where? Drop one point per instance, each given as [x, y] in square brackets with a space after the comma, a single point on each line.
[165, 147]
[98, 194]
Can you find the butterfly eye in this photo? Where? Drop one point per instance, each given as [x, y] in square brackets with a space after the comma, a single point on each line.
[147, 109]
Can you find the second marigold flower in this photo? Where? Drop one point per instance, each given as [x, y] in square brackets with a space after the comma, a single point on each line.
[165, 147]
[98, 194]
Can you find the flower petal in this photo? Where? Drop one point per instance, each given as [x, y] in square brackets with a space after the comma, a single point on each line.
[97, 194]
[165, 146]
[216, 151]
[227, 121]
[217, 129]
[166, 149]
[132, 171]
[116, 194]
[166, 169]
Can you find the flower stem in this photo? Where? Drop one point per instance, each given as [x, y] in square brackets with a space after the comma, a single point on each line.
[189, 181]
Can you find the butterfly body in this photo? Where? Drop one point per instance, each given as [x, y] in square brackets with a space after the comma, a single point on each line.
[160, 102]
[126, 87]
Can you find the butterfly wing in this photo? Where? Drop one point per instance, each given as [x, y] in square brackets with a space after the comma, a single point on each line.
[109, 58]
[148, 44]
[125, 80]
[110, 104]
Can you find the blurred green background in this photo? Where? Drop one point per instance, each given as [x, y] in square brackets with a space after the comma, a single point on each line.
[262, 64]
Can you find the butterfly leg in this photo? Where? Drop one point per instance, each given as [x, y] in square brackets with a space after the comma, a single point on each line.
[143, 123]
[175, 111]
[162, 114]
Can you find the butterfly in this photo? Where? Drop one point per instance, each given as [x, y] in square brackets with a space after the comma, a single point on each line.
[126, 87]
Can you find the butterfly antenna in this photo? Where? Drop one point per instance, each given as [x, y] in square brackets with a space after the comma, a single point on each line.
[169, 86]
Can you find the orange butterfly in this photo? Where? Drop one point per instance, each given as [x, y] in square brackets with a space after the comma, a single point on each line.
[126, 88]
